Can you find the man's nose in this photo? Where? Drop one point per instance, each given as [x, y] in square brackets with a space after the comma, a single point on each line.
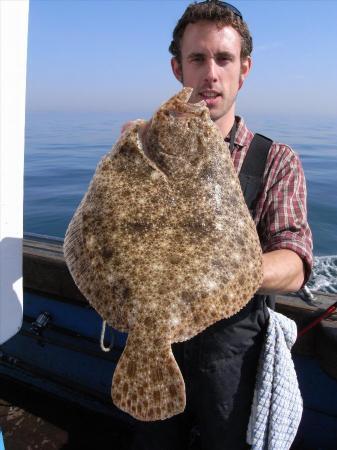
[211, 70]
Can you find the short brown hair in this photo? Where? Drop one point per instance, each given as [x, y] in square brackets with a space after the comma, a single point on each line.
[211, 11]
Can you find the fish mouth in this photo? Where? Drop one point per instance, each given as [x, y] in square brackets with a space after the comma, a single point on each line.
[183, 98]
[179, 106]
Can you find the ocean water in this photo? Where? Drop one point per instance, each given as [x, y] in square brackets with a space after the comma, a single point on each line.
[62, 150]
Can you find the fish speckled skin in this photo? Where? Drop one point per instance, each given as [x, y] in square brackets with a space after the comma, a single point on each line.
[162, 246]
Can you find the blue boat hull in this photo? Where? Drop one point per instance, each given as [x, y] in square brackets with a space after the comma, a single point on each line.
[65, 359]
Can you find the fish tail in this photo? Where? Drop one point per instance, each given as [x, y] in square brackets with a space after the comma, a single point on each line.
[147, 382]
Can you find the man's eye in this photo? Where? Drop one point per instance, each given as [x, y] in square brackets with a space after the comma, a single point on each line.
[222, 59]
[197, 59]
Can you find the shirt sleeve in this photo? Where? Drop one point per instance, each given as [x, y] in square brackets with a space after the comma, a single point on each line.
[283, 222]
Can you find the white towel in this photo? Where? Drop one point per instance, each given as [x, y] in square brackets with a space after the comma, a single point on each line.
[277, 405]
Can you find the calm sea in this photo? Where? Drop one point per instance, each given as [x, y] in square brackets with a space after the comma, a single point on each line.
[62, 150]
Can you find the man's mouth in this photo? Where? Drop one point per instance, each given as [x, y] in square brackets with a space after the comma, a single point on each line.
[210, 97]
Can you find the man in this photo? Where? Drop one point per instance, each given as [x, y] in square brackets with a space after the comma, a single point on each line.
[211, 50]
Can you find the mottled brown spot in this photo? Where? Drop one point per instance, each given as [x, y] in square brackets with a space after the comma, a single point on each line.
[120, 290]
[145, 403]
[197, 318]
[136, 341]
[163, 291]
[138, 227]
[171, 370]
[131, 369]
[156, 396]
[241, 279]
[118, 396]
[224, 278]
[157, 342]
[107, 252]
[105, 166]
[141, 391]
[127, 150]
[197, 226]
[240, 241]
[174, 259]
[166, 315]
[117, 379]
[235, 265]
[217, 263]
[149, 321]
[173, 390]
[233, 199]
[207, 173]
[125, 388]
[187, 297]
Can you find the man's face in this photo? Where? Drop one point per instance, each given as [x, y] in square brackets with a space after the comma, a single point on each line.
[211, 65]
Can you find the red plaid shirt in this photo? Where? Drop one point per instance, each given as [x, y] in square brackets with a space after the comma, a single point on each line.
[281, 213]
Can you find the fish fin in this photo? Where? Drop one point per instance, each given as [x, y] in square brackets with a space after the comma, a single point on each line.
[147, 382]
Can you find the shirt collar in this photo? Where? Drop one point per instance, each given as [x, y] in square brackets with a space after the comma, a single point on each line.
[243, 136]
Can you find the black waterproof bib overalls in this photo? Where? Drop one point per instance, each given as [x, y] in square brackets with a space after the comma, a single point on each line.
[218, 365]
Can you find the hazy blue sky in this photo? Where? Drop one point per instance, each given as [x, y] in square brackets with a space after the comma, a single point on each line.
[109, 55]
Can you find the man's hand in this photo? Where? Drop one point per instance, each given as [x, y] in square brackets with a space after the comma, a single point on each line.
[283, 271]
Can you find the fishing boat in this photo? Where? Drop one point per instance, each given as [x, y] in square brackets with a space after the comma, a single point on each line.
[59, 347]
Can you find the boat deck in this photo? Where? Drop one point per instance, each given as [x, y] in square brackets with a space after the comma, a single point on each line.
[32, 420]
[62, 357]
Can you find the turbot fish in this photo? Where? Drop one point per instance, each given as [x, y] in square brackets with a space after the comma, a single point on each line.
[162, 245]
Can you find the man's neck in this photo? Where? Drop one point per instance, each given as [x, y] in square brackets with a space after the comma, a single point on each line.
[226, 123]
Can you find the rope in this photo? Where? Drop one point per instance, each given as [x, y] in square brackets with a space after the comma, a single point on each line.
[103, 347]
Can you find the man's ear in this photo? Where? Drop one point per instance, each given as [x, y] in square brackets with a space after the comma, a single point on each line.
[176, 69]
[246, 65]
